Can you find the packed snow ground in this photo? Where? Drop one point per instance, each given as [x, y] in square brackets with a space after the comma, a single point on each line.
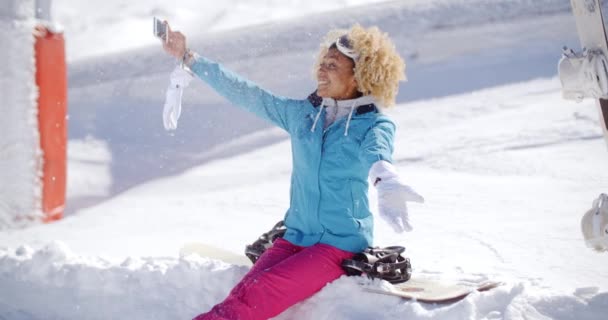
[507, 172]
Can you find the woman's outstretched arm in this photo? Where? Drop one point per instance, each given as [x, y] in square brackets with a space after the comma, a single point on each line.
[243, 93]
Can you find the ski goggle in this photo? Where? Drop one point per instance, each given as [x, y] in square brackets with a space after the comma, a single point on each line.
[345, 46]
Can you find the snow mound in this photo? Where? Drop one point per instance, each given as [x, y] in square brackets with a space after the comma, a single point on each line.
[53, 282]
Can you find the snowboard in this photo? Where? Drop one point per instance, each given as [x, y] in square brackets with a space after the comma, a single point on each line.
[592, 36]
[211, 252]
[432, 290]
[417, 288]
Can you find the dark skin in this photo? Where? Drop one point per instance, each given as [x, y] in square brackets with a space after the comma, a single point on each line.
[176, 44]
[335, 76]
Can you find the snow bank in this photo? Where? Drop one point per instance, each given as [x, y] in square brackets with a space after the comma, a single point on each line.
[54, 283]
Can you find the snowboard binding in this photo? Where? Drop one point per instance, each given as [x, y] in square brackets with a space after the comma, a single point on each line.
[594, 224]
[583, 74]
[265, 241]
[380, 263]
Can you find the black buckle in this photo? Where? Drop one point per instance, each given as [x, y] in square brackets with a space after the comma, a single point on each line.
[383, 263]
[264, 242]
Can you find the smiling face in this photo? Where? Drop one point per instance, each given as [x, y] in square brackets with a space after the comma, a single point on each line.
[335, 76]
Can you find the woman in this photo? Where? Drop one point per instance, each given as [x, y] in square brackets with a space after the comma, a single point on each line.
[339, 137]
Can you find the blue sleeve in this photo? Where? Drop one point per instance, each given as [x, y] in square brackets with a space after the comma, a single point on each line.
[245, 94]
[378, 143]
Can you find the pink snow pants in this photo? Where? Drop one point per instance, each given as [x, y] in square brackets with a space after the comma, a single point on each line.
[283, 276]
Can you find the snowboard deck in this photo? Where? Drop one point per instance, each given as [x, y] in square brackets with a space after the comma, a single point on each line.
[592, 35]
[211, 252]
[590, 24]
[417, 288]
[432, 291]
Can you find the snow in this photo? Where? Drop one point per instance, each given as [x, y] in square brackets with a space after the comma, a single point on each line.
[506, 166]
[118, 25]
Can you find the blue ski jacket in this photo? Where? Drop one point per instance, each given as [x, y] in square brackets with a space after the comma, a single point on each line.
[329, 185]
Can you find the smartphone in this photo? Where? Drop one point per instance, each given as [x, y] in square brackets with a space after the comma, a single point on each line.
[160, 29]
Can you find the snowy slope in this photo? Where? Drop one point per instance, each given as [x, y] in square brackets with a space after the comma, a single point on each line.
[506, 166]
[450, 47]
[99, 28]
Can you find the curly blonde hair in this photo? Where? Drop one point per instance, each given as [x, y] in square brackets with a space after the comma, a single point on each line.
[379, 67]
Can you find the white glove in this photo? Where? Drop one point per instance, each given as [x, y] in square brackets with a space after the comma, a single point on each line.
[393, 195]
[180, 78]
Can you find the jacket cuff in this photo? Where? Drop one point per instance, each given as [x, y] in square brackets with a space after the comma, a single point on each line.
[190, 58]
[382, 170]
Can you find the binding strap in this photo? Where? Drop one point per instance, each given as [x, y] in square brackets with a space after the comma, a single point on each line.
[380, 263]
[264, 242]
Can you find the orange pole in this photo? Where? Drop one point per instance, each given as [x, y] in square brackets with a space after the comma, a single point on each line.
[51, 78]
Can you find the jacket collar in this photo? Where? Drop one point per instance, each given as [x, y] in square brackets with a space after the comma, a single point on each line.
[350, 103]
[363, 105]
